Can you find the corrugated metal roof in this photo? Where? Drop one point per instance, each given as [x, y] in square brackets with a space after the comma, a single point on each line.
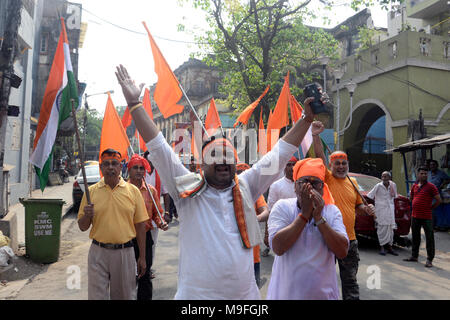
[422, 143]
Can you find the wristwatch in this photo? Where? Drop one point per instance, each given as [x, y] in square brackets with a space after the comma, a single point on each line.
[322, 220]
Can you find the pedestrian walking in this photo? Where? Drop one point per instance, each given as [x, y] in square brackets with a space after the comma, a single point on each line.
[384, 194]
[137, 168]
[349, 202]
[218, 225]
[116, 216]
[306, 233]
[422, 195]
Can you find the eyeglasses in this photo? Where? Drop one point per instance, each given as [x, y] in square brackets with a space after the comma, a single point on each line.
[113, 163]
[316, 183]
[138, 168]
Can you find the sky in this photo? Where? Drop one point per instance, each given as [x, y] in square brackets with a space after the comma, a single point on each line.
[107, 43]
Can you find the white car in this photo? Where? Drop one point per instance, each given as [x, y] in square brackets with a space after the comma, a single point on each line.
[92, 177]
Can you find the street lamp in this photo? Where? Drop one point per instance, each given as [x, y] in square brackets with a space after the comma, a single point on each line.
[86, 108]
[338, 74]
[324, 61]
[351, 87]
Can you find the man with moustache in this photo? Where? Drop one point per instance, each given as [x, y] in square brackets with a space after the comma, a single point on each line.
[218, 225]
[117, 216]
[137, 167]
[349, 202]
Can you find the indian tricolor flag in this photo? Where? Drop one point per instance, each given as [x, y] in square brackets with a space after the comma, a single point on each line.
[56, 107]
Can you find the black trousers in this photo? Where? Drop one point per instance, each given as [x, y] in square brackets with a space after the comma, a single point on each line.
[416, 225]
[145, 287]
[348, 268]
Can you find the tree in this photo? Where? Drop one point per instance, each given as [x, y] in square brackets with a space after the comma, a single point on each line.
[254, 43]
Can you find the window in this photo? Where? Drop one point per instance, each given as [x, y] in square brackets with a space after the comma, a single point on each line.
[374, 56]
[446, 50]
[44, 43]
[393, 50]
[358, 64]
[425, 46]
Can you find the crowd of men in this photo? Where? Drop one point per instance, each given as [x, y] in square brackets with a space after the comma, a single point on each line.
[310, 217]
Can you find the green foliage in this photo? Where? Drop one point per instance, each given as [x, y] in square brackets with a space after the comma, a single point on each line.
[366, 38]
[93, 128]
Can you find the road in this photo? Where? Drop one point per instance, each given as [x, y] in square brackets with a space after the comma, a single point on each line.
[380, 277]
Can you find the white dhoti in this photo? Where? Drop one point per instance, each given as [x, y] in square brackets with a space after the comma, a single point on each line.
[386, 234]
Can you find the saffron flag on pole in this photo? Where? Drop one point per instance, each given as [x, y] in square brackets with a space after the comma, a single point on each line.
[56, 107]
[247, 113]
[113, 133]
[280, 118]
[126, 118]
[262, 138]
[148, 108]
[271, 133]
[212, 120]
[167, 92]
[296, 109]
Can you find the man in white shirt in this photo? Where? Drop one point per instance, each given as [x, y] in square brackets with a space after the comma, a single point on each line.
[218, 225]
[281, 189]
[384, 194]
[306, 233]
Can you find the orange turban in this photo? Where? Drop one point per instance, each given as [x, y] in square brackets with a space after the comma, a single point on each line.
[338, 155]
[313, 167]
[223, 143]
[136, 160]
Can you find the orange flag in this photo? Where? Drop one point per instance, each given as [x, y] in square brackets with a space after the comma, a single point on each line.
[194, 149]
[262, 137]
[280, 117]
[167, 91]
[212, 121]
[247, 113]
[113, 134]
[126, 118]
[296, 109]
[272, 134]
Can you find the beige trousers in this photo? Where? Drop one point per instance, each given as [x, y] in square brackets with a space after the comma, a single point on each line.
[111, 274]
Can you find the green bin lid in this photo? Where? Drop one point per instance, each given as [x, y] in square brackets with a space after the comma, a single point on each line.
[41, 201]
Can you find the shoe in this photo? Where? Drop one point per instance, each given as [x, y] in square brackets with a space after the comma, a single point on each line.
[412, 259]
[393, 252]
[265, 253]
[152, 275]
[428, 264]
[382, 252]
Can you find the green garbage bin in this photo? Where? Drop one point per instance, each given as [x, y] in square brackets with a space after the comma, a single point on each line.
[42, 228]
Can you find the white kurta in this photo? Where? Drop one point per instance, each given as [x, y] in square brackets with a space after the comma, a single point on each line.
[307, 271]
[281, 189]
[384, 203]
[213, 263]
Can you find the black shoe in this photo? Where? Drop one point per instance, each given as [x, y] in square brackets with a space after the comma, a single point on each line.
[411, 259]
[393, 252]
[428, 264]
[382, 252]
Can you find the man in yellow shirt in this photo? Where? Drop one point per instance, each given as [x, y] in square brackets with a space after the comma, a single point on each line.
[117, 215]
[349, 202]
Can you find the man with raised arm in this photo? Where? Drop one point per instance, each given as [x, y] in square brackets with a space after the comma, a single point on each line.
[349, 202]
[218, 225]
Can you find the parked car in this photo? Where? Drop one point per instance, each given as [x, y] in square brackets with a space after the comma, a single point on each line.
[365, 225]
[92, 177]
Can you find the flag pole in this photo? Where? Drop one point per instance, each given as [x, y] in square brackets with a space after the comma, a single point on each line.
[193, 109]
[86, 187]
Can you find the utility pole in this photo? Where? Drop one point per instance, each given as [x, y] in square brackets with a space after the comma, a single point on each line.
[8, 53]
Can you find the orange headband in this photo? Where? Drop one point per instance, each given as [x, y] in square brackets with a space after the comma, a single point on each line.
[316, 168]
[110, 156]
[338, 155]
[219, 143]
[242, 166]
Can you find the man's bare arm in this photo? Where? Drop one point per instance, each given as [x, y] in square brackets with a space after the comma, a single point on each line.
[316, 129]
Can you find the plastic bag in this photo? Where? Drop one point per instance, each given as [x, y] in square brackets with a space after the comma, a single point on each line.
[4, 240]
[6, 253]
